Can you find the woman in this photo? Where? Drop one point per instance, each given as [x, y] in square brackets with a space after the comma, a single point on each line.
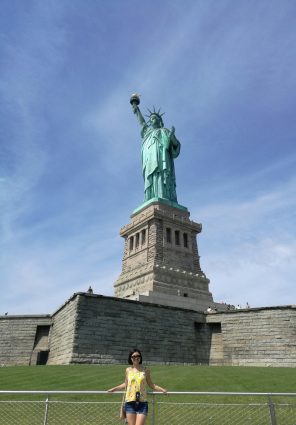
[136, 378]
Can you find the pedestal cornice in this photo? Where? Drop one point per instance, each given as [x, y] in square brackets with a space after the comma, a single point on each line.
[161, 211]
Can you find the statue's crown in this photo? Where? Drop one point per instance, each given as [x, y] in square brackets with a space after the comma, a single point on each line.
[154, 112]
[157, 113]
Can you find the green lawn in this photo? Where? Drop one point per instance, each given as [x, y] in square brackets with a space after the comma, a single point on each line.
[174, 378]
[168, 410]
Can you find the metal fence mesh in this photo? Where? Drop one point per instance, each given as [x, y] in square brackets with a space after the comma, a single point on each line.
[21, 412]
[286, 413]
[87, 413]
[212, 414]
[174, 409]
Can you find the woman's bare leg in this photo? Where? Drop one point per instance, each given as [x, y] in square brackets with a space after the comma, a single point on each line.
[141, 419]
[131, 418]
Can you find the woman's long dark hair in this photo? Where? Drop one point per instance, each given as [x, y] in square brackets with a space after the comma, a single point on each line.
[135, 350]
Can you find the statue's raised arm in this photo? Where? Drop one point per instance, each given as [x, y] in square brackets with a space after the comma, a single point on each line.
[159, 149]
[135, 102]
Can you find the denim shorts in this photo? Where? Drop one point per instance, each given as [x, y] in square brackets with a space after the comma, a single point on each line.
[140, 408]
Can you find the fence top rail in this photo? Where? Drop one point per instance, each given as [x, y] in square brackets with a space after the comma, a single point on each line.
[95, 392]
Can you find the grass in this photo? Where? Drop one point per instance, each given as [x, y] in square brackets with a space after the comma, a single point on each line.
[104, 409]
[174, 378]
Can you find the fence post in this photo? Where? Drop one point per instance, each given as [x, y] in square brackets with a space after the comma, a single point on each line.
[153, 410]
[271, 411]
[46, 411]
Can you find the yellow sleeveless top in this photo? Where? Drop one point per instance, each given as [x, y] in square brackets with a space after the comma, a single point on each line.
[136, 382]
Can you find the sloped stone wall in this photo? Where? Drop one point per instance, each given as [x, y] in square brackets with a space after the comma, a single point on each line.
[108, 328]
[17, 337]
[258, 337]
[62, 332]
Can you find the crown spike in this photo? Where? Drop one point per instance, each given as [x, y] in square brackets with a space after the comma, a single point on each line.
[154, 112]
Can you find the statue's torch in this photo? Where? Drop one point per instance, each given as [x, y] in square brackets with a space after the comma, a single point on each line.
[135, 101]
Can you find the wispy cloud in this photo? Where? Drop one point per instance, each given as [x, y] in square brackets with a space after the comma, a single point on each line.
[30, 61]
[50, 270]
[261, 273]
[248, 247]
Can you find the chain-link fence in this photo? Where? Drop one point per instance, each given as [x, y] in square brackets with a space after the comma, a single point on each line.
[175, 408]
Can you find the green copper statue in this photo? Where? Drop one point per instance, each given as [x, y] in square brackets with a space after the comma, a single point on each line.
[159, 149]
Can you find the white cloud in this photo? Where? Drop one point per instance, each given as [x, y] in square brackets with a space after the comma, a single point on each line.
[261, 273]
[41, 270]
[248, 248]
[31, 59]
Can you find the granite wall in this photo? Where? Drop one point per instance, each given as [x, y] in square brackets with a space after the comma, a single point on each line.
[106, 328]
[62, 336]
[18, 338]
[257, 337]
[96, 329]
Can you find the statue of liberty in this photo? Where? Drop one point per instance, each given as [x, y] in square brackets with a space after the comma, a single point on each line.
[159, 149]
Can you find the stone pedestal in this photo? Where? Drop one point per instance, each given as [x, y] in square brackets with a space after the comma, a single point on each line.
[161, 262]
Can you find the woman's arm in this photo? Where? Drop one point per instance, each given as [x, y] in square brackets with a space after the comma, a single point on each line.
[152, 385]
[118, 388]
[121, 386]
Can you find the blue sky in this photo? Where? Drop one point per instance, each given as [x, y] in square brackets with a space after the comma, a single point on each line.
[70, 174]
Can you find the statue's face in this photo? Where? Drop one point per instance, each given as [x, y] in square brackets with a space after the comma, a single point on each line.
[155, 121]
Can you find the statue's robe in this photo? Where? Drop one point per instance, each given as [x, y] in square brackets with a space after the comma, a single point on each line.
[159, 149]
